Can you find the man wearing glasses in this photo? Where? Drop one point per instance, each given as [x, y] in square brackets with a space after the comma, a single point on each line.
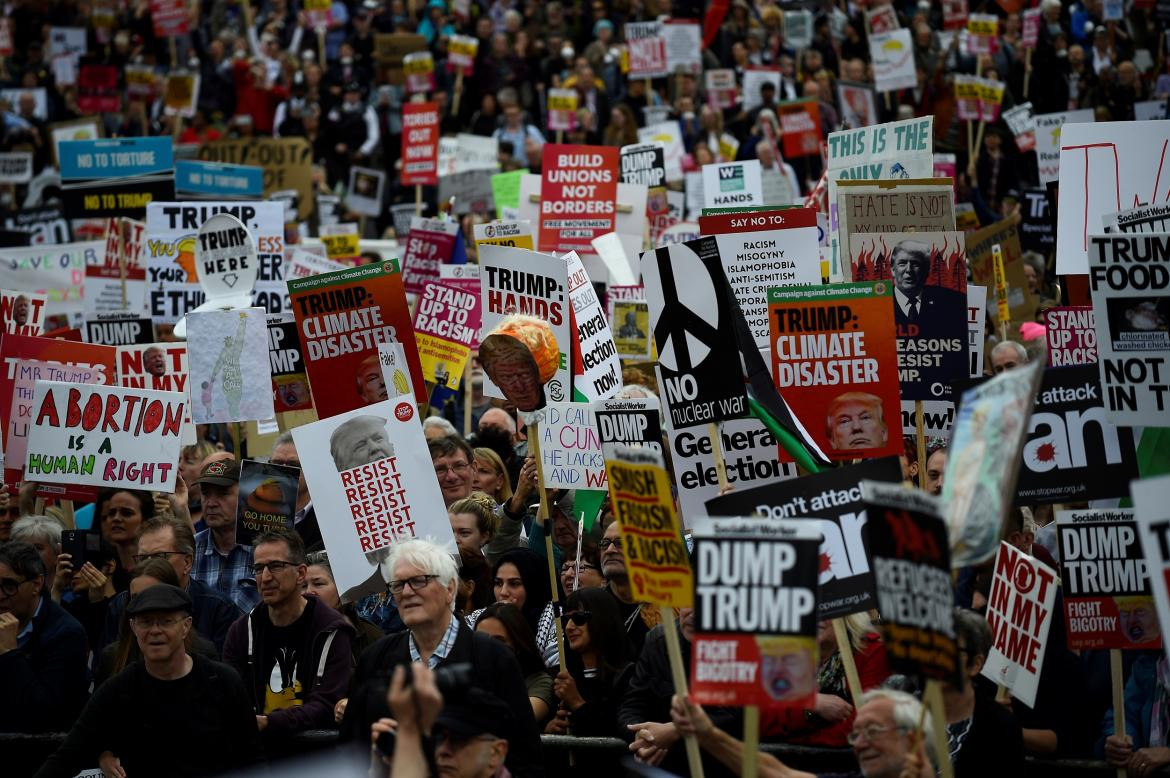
[613, 567]
[293, 651]
[42, 648]
[424, 581]
[452, 458]
[170, 706]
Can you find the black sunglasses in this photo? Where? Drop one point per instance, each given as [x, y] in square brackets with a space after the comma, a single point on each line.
[580, 618]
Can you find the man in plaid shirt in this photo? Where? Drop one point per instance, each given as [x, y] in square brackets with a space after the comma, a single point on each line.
[221, 562]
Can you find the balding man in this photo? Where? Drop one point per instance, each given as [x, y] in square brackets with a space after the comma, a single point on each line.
[499, 418]
[1008, 355]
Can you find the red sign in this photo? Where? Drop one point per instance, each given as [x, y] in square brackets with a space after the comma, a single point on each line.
[170, 18]
[954, 14]
[578, 195]
[800, 124]
[97, 87]
[430, 243]
[420, 143]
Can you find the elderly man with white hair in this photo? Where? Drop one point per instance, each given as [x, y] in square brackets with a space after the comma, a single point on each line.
[424, 581]
[1008, 355]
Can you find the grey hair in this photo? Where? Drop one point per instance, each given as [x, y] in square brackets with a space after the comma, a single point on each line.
[283, 439]
[907, 711]
[438, 421]
[29, 528]
[1021, 352]
[428, 556]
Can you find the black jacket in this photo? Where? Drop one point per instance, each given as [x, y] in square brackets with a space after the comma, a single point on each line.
[494, 669]
[210, 731]
[212, 615]
[48, 676]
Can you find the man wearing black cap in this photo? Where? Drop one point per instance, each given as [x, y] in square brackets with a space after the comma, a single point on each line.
[221, 562]
[172, 713]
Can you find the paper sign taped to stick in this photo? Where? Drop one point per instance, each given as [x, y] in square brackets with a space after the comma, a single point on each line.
[231, 376]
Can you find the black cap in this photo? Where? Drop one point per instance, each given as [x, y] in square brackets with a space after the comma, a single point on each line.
[477, 713]
[222, 472]
[160, 597]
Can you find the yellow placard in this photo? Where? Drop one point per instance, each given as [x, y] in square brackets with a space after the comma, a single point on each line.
[991, 91]
[443, 361]
[562, 100]
[463, 44]
[1001, 287]
[514, 234]
[978, 25]
[341, 246]
[418, 64]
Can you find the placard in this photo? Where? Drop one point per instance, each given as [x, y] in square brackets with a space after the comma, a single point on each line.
[290, 382]
[1048, 133]
[892, 54]
[733, 184]
[114, 329]
[231, 377]
[163, 367]
[635, 421]
[1072, 335]
[578, 196]
[56, 271]
[858, 105]
[266, 500]
[1153, 520]
[430, 243]
[216, 181]
[647, 47]
[570, 448]
[287, 164]
[597, 368]
[445, 324]
[116, 177]
[365, 192]
[22, 313]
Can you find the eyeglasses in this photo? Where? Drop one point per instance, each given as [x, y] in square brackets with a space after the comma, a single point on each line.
[570, 567]
[272, 567]
[416, 583]
[870, 733]
[580, 618]
[605, 543]
[11, 586]
[285, 462]
[147, 623]
[140, 558]
[459, 467]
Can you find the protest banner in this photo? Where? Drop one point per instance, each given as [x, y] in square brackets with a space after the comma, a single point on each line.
[755, 639]
[16, 167]
[858, 105]
[517, 234]
[22, 313]
[835, 360]
[163, 367]
[721, 88]
[1048, 133]
[116, 177]
[1152, 511]
[266, 500]
[981, 258]
[373, 485]
[892, 54]
[562, 110]
[578, 195]
[419, 68]
[1129, 275]
[1071, 334]
[56, 271]
[632, 336]
[669, 135]
[341, 318]
[645, 164]
[597, 368]
[445, 323]
[429, 244]
[733, 184]
[832, 499]
[570, 448]
[114, 329]
[231, 375]
[647, 46]
[991, 424]
[516, 281]
[1108, 602]
[633, 422]
[46, 224]
[692, 315]
[175, 282]
[290, 382]
[217, 181]
[1019, 611]
[1072, 452]
[800, 127]
[90, 435]
[286, 163]
[908, 549]
[929, 274]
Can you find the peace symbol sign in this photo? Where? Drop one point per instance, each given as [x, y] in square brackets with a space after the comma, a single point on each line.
[687, 332]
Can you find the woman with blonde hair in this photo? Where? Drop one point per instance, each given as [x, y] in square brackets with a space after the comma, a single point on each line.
[491, 476]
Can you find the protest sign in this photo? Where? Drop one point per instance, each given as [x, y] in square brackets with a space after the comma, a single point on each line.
[216, 181]
[395, 368]
[1037, 225]
[1128, 279]
[669, 135]
[466, 278]
[570, 448]
[1108, 602]
[652, 541]
[517, 234]
[342, 242]
[632, 336]
[172, 267]
[445, 323]
[170, 18]
[562, 110]
[647, 47]
[755, 613]
[163, 367]
[732, 184]
[858, 105]
[892, 54]
[954, 14]
[56, 271]
[468, 191]
[929, 274]
[419, 68]
[84, 434]
[635, 422]
[1153, 520]
[1022, 123]
[287, 164]
[116, 177]
[1019, 611]
[800, 127]
[1072, 335]
[113, 329]
[983, 461]
[597, 368]
[516, 281]
[908, 205]
[835, 360]
[692, 312]
[116, 281]
[1072, 452]
[461, 51]
[1048, 133]
[981, 258]
[365, 192]
[907, 542]
[578, 195]
[429, 244]
[181, 93]
[721, 87]
[373, 485]
[1149, 110]
[882, 18]
[341, 318]
[231, 375]
[16, 167]
[267, 499]
[290, 382]
[832, 499]
[645, 164]
[506, 191]
[22, 313]
[684, 46]
[46, 224]
[302, 263]
[1142, 218]
[754, 78]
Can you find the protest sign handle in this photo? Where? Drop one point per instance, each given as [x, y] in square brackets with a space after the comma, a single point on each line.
[1002, 695]
[679, 674]
[921, 435]
[751, 741]
[321, 43]
[1117, 679]
[39, 506]
[717, 455]
[1027, 70]
[458, 91]
[122, 260]
[560, 136]
[67, 514]
[649, 94]
[467, 397]
[542, 518]
[932, 696]
[418, 199]
[845, 649]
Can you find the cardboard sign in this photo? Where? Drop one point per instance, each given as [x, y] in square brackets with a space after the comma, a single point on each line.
[1073, 453]
[981, 258]
[1108, 602]
[578, 195]
[104, 436]
[117, 177]
[911, 205]
[982, 461]
[287, 164]
[1153, 520]
[755, 613]
[429, 244]
[733, 184]
[231, 376]
[692, 314]
[119, 330]
[800, 126]
[290, 382]
[267, 499]
[634, 422]
[832, 498]
[373, 485]
[217, 181]
[341, 318]
[892, 54]
[1048, 133]
[22, 313]
[647, 46]
[656, 555]
[929, 274]
[1072, 335]
[570, 448]
[908, 549]
[1128, 279]
[445, 323]
[1019, 610]
[835, 360]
